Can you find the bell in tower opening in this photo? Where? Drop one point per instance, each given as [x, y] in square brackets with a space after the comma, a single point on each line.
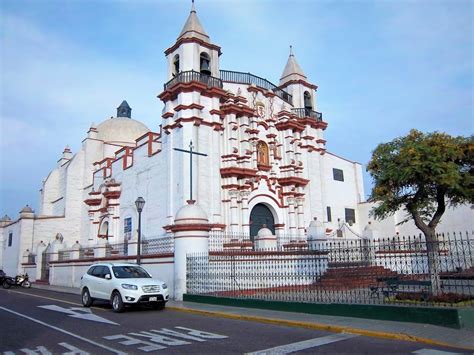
[205, 64]
[308, 105]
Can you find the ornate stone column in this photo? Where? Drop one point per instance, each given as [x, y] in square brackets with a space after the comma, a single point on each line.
[300, 218]
[292, 218]
[234, 215]
[244, 195]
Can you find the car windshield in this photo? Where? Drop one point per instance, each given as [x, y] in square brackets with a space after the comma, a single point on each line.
[130, 272]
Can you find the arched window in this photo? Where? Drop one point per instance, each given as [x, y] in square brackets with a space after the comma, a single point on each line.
[262, 154]
[176, 64]
[205, 64]
[308, 105]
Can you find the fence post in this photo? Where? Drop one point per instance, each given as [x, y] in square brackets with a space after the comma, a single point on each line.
[191, 234]
[370, 235]
[316, 235]
[76, 251]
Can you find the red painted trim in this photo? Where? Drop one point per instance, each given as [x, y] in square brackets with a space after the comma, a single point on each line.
[240, 173]
[188, 107]
[299, 81]
[290, 125]
[237, 109]
[293, 180]
[190, 227]
[193, 40]
[271, 197]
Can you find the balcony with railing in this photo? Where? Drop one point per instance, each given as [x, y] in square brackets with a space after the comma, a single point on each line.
[230, 77]
[249, 79]
[305, 112]
[191, 75]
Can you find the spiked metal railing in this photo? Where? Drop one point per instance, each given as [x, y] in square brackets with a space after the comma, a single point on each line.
[383, 271]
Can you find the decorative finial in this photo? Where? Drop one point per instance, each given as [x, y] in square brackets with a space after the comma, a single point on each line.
[291, 50]
[193, 9]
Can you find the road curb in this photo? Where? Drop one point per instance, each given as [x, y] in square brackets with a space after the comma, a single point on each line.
[320, 326]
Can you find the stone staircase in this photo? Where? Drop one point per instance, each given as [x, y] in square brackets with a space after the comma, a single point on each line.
[342, 277]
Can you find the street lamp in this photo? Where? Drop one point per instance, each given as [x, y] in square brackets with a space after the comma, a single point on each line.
[140, 202]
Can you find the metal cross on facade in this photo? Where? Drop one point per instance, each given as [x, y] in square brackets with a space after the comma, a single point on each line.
[190, 152]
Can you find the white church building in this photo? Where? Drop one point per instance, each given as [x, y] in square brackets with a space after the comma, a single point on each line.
[263, 163]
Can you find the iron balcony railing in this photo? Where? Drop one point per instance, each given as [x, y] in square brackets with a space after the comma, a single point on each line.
[304, 112]
[247, 78]
[191, 75]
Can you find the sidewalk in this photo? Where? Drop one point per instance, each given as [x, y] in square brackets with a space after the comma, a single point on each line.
[426, 333]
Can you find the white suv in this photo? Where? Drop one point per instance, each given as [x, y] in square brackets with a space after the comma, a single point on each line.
[121, 284]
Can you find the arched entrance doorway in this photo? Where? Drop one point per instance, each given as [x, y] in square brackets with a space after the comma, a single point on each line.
[259, 216]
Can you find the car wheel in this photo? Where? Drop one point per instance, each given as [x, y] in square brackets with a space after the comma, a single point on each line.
[6, 284]
[159, 305]
[117, 303]
[86, 298]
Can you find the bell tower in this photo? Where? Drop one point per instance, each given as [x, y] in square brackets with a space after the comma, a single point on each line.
[191, 113]
[193, 50]
[295, 82]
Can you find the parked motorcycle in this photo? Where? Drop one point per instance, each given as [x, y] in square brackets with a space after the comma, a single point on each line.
[4, 280]
[23, 281]
[19, 280]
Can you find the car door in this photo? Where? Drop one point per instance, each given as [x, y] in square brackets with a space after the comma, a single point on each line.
[99, 283]
[107, 284]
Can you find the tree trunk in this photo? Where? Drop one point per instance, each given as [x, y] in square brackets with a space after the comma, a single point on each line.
[432, 248]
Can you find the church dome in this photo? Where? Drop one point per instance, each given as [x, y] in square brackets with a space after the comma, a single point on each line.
[190, 214]
[121, 130]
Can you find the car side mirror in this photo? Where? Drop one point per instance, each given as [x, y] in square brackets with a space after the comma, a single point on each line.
[108, 276]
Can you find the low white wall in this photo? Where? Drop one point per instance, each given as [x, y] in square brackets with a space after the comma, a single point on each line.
[69, 273]
[30, 269]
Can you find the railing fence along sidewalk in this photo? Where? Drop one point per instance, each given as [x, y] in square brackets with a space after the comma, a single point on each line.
[152, 246]
[391, 270]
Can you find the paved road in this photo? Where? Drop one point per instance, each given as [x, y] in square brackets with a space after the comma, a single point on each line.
[41, 322]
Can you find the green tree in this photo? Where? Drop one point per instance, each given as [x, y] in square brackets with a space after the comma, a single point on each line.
[423, 174]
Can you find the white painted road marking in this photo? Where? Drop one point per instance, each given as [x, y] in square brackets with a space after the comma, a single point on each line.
[73, 350]
[434, 352]
[77, 312]
[65, 332]
[132, 341]
[40, 350]
[306, 344]
[44, 351]
[156, 339]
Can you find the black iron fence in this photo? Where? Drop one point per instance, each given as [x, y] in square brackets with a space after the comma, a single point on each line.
[398, 270]
[249, 79]
[152, 246]
[191, 75]
[304, 112]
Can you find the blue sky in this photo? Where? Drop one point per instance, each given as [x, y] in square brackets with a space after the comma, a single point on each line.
[382, 67]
